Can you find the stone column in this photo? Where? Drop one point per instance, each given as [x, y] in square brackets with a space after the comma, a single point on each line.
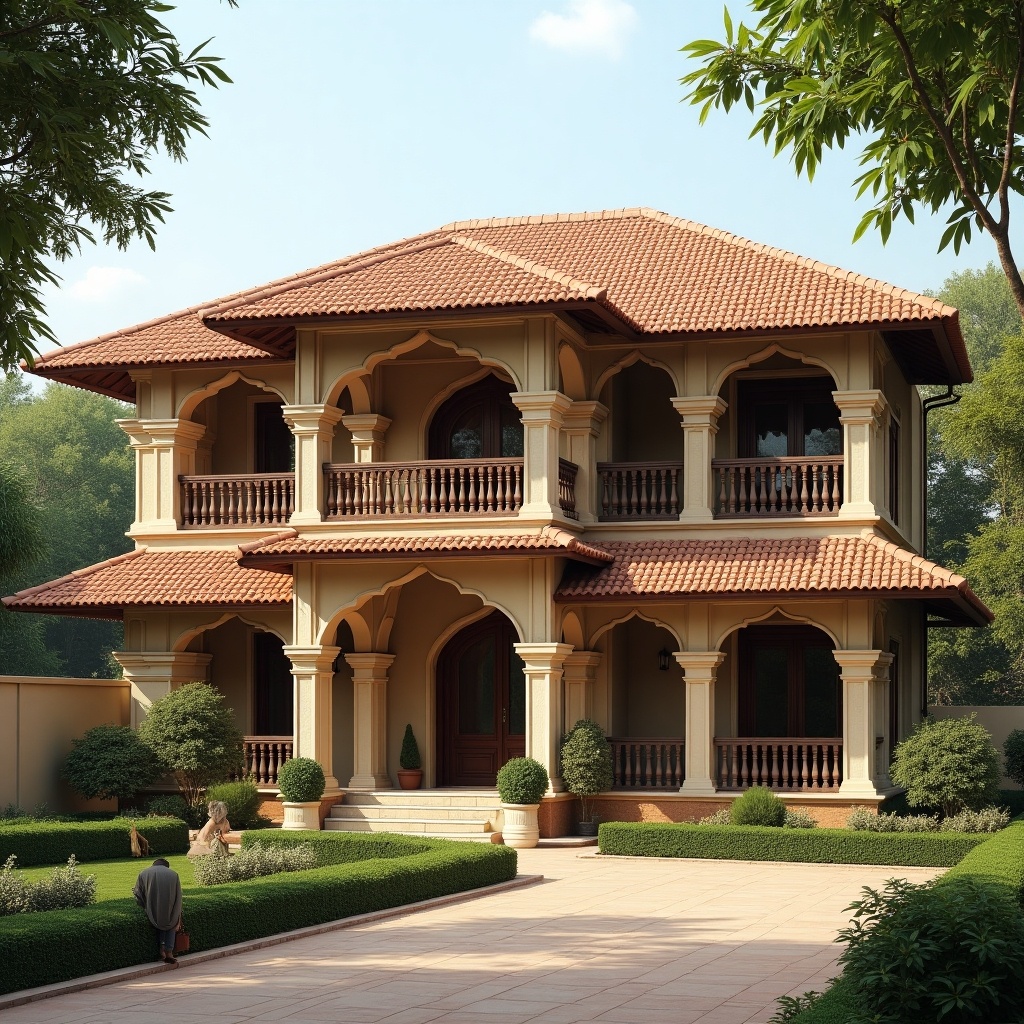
[860, 414]
[313, 428]
[153, 674]
[865, 678]
[164, 450]
[313, 672]
[543, 412]
[700, 671]
[544, 726]
[700, 415]
[370, 717]
[579, 670]
[368, 430]
[581, 423]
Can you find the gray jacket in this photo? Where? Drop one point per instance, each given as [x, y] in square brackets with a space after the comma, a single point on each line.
[158, 890]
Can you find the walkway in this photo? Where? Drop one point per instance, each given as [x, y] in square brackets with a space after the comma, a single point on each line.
[617, 941]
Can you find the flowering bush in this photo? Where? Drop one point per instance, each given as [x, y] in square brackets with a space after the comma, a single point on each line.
[65, 889]
[254, 861]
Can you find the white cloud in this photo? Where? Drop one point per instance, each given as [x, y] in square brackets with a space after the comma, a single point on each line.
[103, 283]
[589, 26]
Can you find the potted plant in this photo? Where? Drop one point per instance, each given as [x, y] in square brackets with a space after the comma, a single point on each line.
[586, 768]
[410, 772]
[302, 783]
[521, 783]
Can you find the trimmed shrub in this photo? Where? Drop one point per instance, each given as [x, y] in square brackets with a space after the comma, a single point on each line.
[116, 933]
[342, 847]
[988, 819]
[799, 819]
[862, 820]
[522, 781]
[110, 762]
[254, 862]
[948, 763]
[586, 763]
[301, 780]
[192, 732]
[758, 806]
[1013, 752]
[53, 842]
[811, 846]
[409, 758]
[242, 800]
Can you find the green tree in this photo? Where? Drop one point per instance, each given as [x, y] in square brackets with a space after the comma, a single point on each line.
[110, 762]
[933, 86]
[192, 732]
[90, 90]
[76, 461]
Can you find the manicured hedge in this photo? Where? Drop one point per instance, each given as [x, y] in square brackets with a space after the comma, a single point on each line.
[39, 949]
[52, 842]
[808, 846]
[343, 847]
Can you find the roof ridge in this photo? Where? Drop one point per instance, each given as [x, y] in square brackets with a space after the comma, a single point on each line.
[530, 266]
[74, 574]
[526, 220]
[272, 538]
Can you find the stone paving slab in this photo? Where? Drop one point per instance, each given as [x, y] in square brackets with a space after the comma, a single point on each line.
[680, 941]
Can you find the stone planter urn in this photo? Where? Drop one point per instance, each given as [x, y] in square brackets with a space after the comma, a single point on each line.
[301, 814]
[521, 783]
[520, 829]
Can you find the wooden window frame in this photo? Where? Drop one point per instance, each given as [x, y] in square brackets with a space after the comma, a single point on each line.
[795, 392]
[490, 393]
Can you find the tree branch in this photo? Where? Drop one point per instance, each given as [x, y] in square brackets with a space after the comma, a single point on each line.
[1002, 190]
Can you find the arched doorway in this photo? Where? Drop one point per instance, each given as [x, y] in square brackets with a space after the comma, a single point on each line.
[478, 422]
[481, 703]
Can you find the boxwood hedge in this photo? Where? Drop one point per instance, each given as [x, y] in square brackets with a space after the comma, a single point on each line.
[807, 846]
[34, 948]
[52, 842]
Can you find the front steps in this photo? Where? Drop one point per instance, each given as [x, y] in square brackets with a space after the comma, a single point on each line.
[465, 814]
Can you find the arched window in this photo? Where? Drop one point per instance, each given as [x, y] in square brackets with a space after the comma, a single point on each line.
[478, 422]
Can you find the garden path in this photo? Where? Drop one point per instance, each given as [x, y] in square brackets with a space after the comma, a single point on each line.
[620, 941]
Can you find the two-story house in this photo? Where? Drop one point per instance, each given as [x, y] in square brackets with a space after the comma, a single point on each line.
[516, 472]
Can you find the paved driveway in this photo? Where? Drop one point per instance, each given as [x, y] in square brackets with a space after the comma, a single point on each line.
[630, 942]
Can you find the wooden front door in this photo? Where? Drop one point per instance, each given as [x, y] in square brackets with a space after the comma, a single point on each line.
[481, 710]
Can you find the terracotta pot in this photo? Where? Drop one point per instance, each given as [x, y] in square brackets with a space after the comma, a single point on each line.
[410, 778]
[520, 829]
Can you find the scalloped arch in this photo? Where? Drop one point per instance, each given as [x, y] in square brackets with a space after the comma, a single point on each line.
[766, 353]
[803, 620]
[608, 626]
[188, 405]
[628, 360]
[187, 636]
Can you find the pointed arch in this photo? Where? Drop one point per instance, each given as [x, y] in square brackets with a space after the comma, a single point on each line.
[777, 610]
[635, 614]
[188, 405]
[188, 635]
[766, 353]
[628, 360]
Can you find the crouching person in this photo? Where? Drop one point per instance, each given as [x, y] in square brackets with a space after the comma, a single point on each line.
[158, 891]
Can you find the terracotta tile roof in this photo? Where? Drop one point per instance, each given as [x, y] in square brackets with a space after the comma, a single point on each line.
[287, 547]
[841, 565]
[656, 273]
[156, 578]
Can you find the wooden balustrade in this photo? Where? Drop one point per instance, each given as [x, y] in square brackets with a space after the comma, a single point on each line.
[431, 488]
[639, 490]
[779, 487]
[255, 499]
[779, 762]
[567, 487]
[264, 756]
[648, 763]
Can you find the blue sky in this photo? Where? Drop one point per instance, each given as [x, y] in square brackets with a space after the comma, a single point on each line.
[352, 123]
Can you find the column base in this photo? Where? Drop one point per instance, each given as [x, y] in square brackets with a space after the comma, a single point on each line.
[305, 518]
[701, 516]
[370, 782]
[859, 788]
[698, 787]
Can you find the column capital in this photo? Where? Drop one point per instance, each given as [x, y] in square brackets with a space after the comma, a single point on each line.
[585, 416]
[699, 666]
[580, 664]
[539, 657]
[312, 659]
[862, 666]
[364, 426]
[310, 419]
[165, 433]
[372, 666]
[542, 406]
[860, 407]
[700, 410]
[173, 667]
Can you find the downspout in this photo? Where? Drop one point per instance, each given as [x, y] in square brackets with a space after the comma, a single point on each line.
[927, 404]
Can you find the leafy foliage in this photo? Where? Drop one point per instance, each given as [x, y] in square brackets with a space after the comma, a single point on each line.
[242, 799]
[1013, 751]
[192, 732]
[254, 862]
[791, 1006]
[758, 806]
[522, 780]
[863, 820]
[50, 842]
[301, 780]
[948, 763]
[933, 88]
[935, 952]
[175, 806]
[586, 763]
[409, 758]
[65, 889]
[90, 91]
[799, 819]
[110, 762]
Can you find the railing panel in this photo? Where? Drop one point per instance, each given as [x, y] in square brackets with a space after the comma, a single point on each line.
[264, 755]
[778, 487]
[779, 762]
[639, 490]
[647, 763]
[255, 499]
[481, 487]
[567, 487]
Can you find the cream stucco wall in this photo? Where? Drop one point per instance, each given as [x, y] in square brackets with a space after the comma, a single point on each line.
[999, 721]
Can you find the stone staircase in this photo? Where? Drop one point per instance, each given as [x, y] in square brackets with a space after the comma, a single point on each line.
[466, 814]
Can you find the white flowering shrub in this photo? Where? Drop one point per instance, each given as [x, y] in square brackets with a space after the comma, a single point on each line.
[65, 889]
[254, 861]
[988, 819]
[799, 819]
[862, 820]
[720, 817]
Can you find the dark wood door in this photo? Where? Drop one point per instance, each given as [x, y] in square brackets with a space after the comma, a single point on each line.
[481, 703]
[273, 699]
[274, 447]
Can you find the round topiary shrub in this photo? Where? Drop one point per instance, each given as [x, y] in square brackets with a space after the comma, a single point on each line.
[110, 762]
[948, 763]
[301, 780]
[758, 806]
[522, 781]
[586, 763]
[1013, 751]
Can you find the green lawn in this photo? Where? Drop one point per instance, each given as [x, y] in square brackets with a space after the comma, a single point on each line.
[116, 878]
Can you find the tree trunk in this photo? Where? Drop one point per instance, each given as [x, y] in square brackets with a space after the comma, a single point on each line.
[1002, 239]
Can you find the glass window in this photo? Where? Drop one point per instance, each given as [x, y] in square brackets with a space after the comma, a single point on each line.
[822, 433]
[479, 422]
[771, 431]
